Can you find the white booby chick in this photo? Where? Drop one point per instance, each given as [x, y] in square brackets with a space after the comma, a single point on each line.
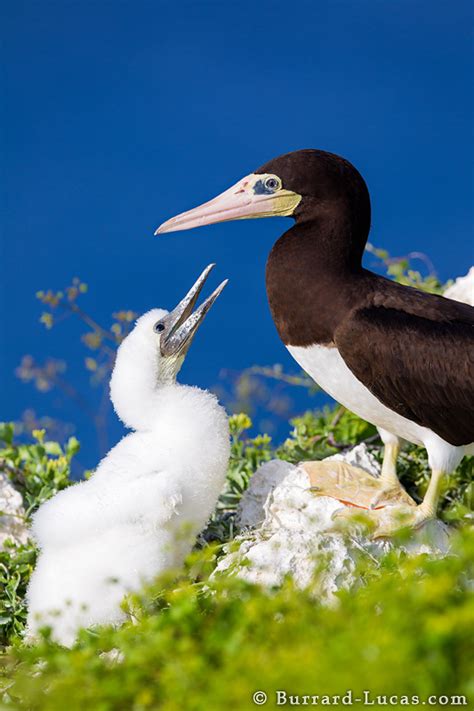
[140, 512]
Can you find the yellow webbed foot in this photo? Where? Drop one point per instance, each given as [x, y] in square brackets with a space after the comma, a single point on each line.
[384, 522]
[382, 506]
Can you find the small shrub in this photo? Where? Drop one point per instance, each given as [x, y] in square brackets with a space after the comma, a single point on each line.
[197, 645]
[38, 470]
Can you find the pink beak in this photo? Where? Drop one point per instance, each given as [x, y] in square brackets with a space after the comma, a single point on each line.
[239, 202]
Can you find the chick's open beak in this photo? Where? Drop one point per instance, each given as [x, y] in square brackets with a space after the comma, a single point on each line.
[256, 195]
[182, 323]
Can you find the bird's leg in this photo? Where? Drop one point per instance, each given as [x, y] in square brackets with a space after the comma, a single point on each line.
[428, 507]
[388, 476]
[389, 484]
[390, 521]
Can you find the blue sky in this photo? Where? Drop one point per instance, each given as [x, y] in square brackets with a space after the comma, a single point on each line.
[117, 115]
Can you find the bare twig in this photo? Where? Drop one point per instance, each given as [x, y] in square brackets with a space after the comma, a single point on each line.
[278, 374]
[16, 473]
[91, 322]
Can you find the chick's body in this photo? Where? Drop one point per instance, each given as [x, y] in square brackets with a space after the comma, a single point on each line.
[139, 513]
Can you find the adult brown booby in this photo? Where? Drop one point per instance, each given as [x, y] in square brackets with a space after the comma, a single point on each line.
[399, 358]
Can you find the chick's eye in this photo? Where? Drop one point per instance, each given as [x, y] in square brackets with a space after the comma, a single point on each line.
[158, 327]
[272, 183]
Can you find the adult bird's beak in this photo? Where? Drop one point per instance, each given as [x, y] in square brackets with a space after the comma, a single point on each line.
[181, 324]
[256, 195]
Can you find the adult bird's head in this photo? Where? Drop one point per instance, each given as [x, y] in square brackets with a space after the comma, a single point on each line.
[154, 351]
[306, 185]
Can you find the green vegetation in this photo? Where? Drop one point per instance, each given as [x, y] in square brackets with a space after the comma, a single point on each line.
[196, 643]
[407, 630]
[38, 471]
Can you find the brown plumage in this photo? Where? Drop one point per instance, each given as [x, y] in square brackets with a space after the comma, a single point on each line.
[416, 355]
[414, 351]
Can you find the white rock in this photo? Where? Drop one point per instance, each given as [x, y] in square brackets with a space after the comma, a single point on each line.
[462, 289]
[12, 514]
[251, 511]
[359, 456]
[287, 530]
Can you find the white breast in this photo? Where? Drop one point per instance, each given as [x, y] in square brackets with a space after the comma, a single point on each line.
[327, 368]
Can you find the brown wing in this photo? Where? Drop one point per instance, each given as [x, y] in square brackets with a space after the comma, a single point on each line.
[421, 368]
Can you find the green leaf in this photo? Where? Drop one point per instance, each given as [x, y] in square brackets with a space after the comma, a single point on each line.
[53, 448]
[72, 446]
[7, 432]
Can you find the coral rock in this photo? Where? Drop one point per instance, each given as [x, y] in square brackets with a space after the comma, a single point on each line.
[462, 289]
[12, 514]
[287, 530]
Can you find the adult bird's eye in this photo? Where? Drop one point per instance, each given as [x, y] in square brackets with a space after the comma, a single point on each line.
[158, 327]
[272, 183]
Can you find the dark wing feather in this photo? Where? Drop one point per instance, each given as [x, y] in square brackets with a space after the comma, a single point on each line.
[421, 368]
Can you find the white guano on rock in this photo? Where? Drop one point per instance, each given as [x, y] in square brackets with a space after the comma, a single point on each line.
[287, 530]
[12, 514]
[462, 288]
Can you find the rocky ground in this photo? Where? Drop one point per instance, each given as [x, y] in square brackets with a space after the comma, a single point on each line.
[12, 514]
[285, 529]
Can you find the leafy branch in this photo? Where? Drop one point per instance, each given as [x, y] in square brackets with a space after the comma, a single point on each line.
[400, 270]
[100, 341]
